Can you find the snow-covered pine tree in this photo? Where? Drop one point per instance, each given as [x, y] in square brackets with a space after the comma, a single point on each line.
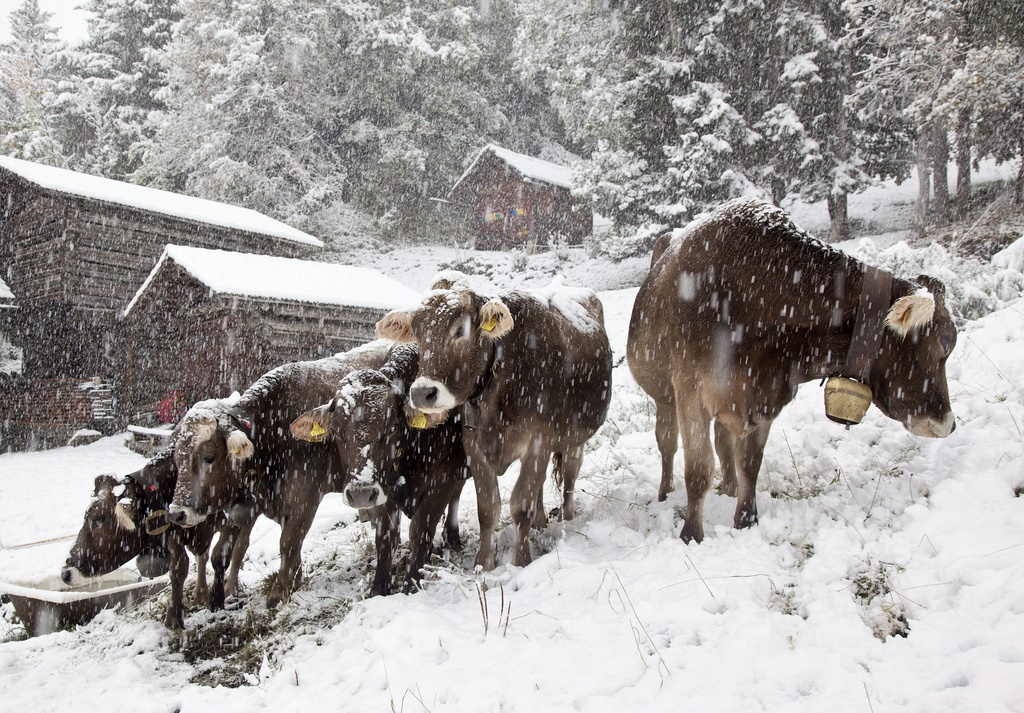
[238, 81]
[111, 107]
[29, 65]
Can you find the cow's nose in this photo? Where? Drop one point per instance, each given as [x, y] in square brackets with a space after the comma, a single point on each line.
[65, 576]
[425, 395]
[178, 518]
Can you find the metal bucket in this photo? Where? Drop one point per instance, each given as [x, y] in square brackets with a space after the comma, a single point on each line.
[846, 400]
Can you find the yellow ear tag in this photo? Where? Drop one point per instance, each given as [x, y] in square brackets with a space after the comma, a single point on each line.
[418, 421]
[490, 324]
[316, 432]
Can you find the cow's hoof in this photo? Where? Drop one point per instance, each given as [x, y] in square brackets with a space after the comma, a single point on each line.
[522, 557]
[174, 622]
[411, 586]
[452, 542]
[691, 534]
[484, 561]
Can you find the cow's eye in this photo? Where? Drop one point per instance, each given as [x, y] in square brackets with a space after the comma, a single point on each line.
[96, 523]
[209, 459]
[947, 344]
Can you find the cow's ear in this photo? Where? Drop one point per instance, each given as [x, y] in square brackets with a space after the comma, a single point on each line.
[495, 319]
[240, 448]
[104, 484]
[396, 326]
[910, 313]
[314, 425]
[124, 515]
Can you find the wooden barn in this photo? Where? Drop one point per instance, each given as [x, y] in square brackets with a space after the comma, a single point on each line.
[232, 317]
[520, 201]
[74, 249]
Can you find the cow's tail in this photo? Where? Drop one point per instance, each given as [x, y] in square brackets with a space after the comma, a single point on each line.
[556, 469]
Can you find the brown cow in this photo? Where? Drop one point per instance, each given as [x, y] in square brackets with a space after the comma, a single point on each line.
[244, 451]
[742, 307]
[531, 375]
[398, 460]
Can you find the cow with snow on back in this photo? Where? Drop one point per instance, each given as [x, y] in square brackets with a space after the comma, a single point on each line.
[530, 374]
[742, 307]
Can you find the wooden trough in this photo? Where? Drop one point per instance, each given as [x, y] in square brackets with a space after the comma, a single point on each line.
[48, 605]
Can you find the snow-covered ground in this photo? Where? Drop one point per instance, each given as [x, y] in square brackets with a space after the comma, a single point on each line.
[886, 572]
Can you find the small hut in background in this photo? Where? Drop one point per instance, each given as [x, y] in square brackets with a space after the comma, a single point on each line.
[74, 248]
[234, 316]
[520, 201]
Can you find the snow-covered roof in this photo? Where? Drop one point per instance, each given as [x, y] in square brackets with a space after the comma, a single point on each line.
[154, 200]
[5, 291]
[269, 277]
[531, 169]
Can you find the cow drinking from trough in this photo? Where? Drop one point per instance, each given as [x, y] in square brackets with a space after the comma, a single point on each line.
[530, 373]
[127, 518]
[739, 309]
[398, 459]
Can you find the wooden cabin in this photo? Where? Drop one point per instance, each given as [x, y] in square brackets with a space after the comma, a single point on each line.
[520, 201]
[232, 317]
[74, 249]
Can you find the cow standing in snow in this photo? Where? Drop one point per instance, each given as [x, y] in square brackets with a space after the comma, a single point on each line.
[529, 371]
[742, 307]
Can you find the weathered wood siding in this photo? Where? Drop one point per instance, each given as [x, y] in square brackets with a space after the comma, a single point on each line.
[223, 343]
[551, 213]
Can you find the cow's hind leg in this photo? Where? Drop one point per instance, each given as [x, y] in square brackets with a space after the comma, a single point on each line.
[666, 431]
[523, 503]
[752, 453]
[570, 462]
[695, 427]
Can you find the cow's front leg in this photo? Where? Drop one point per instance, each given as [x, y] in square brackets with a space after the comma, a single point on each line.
[488, 497]
[666, 432]
[178, 568]
[386, 519]
[451, 535]
[220, 558]
[750, 463]
[523, 503]
[422, 527]
[725, 447]
[695, 426]
[293, 533]
[237, 556]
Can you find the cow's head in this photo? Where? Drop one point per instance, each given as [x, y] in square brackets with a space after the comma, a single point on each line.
[456, 330]
[908, 381]
[365, 422]
[212, 447]
[111, 534]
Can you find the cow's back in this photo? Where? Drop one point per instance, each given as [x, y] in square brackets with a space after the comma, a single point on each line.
[745, 270]
[555, 365]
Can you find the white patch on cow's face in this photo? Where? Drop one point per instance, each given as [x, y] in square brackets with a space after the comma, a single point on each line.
[240, 448]
[185, 516]
[73, 577]
[203, 431]
[124, 519]
[443, 399]
[910, 313]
